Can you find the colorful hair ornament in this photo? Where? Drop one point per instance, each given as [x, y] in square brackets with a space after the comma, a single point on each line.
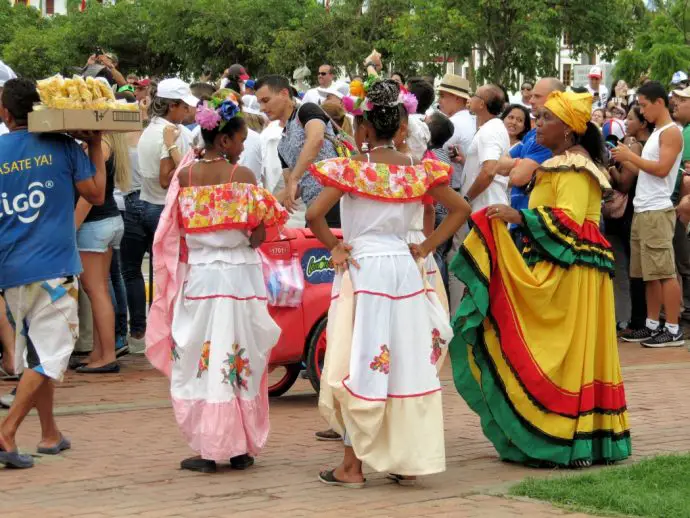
[358, 103]
[409, 101]
[207, 117]
[217, 112]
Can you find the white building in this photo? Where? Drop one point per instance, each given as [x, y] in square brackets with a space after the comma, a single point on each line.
[50, 7]
[47, 7]
[572, 68]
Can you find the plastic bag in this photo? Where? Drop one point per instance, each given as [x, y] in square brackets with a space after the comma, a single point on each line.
[284, 281]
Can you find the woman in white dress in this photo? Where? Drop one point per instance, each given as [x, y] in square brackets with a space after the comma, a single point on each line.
[209, 328]
[386, 327]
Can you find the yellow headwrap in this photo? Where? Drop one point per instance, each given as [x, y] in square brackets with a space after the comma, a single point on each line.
[573, 109]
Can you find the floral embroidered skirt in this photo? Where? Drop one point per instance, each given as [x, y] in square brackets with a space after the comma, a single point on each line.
[387, 332]
[223, 337]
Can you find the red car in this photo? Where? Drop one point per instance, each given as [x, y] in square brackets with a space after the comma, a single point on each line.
[303, 340]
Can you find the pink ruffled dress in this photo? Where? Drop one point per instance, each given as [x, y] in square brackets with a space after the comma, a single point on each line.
[209, 327]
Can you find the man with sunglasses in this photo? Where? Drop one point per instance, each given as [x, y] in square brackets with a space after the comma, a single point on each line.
[326, 77]
[525, 95]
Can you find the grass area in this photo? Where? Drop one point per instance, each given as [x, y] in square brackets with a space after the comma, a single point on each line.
[656, 488]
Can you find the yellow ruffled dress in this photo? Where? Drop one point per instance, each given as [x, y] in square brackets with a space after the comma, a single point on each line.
[535, 350]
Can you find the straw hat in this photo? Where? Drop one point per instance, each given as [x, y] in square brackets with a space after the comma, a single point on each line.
[455, 85]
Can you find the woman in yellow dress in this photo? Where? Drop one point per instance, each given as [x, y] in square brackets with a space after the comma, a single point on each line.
[535, 351]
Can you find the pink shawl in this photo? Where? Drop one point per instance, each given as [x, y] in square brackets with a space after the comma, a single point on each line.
[168, 272]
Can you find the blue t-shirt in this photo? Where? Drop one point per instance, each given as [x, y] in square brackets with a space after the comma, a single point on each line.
[37, 233]
[528, 148]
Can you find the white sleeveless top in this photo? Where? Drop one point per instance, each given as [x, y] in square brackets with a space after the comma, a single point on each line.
[652, 192]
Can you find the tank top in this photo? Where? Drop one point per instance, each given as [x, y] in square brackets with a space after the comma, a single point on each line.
[109, 208]
[652, 192]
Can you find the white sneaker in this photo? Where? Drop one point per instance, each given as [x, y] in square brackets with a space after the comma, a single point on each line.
[7, 400]
[136, 345]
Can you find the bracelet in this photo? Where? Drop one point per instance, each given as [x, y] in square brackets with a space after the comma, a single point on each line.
[370, 64]
[467, 199]
[174, 146]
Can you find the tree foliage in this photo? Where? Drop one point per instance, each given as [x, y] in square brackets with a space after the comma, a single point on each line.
[662, 46]
[158, 37]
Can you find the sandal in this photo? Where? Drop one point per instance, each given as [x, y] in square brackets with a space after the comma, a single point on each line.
[14, 459]
[328, 478]
[401, 480]
[63, 445]
[328, 435]
[580, 464]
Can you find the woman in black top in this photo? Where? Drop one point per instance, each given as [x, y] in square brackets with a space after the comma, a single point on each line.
[99, 231]
[624, 180]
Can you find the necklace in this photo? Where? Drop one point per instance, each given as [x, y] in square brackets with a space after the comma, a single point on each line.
[383, 146]
[211, 160]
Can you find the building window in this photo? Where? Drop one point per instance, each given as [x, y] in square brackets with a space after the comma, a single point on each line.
[50, 7]
[567, 40]
[22, 2]
[567, 76]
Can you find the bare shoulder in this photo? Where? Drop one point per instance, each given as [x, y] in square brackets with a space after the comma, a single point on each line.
[244, 175]
[671, 136]
[183, 176]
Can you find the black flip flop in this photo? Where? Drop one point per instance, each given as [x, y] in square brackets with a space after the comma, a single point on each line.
[75, 363]
[328, 478]
[111, 368]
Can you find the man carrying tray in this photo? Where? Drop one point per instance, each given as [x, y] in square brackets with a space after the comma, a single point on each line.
[39, 261]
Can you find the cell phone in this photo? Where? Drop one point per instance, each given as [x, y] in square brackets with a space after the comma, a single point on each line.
[98, 51]
[453, 151]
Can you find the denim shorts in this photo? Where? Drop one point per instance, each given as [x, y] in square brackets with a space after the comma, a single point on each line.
[98, 236]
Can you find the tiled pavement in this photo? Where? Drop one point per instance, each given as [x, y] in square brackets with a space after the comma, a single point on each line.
[127, 451]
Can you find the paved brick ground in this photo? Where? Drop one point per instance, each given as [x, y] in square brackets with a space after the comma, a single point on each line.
[127, 451]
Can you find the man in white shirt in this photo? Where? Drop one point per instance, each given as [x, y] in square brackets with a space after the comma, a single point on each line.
[6, 73]
[525, 95]
[251, 155]
[326, 78]
[654, 220]
[482, 186]
[598, 90]
[453, 94]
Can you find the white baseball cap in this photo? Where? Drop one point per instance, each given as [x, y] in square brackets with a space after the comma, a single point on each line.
[595, 72]
[325, 92]
[178, 90]
[679, 77]
[6, 73]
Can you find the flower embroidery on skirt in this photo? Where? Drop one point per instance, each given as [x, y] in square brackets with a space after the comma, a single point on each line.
[382, 362]
[174, 354]
[436, 343]
[203, 361]
[238, 368]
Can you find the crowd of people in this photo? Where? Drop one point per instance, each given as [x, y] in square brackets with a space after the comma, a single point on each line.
[474, 225]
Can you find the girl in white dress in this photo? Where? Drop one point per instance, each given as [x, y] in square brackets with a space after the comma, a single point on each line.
[209, 328]
[386, 327]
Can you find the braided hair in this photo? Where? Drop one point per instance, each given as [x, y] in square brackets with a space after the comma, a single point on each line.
[384, 115]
